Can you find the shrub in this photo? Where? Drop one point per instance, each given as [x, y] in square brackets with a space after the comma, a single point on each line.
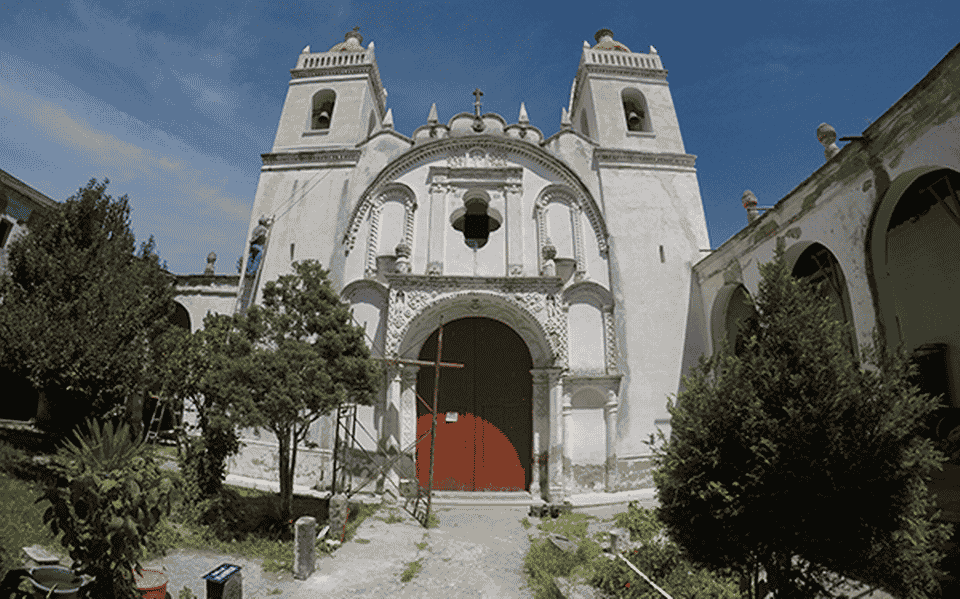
[109, 497]
[662, 560]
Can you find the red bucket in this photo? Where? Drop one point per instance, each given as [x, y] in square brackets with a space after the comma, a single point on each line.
[152, 584]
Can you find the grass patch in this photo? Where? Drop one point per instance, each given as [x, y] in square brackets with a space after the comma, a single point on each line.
[22, 522]
[393, 518]
[362, 541]
[413, 568]
[525, 522]
[422, 546]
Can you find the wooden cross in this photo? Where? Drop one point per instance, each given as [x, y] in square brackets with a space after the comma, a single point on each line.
[476, 105]
[436, 387]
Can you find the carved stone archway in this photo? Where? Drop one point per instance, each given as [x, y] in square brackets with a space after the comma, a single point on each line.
[533, 307]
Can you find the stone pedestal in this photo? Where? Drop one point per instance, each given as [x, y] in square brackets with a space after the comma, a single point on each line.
[619, 540]
[304, 547]
[339, 510]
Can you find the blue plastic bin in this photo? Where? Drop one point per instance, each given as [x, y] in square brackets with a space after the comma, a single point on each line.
[224, 582]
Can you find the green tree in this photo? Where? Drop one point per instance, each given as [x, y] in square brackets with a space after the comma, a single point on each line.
[196, 370]
[79, 308]
[793, 459]
[307, 359]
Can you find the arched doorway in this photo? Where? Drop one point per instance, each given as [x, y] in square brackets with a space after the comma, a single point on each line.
[484, 418]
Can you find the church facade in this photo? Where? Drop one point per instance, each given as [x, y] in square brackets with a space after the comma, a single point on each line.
[560, 268]
[572, 274]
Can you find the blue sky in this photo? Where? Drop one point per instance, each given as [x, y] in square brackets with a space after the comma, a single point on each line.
[175, 101]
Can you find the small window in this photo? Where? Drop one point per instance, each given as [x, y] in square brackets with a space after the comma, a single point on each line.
[635, 110]
[322, 114]
[476, 220]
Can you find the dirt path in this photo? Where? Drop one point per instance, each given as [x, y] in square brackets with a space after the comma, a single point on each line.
[475, 552]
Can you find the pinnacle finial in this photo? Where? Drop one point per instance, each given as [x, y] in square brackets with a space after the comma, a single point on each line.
[523, 114]
[306, 50]
[564, 119]
[388, 120]
[432, 118]
[586, 44]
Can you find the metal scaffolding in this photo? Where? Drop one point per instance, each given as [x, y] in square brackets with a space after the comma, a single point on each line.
[348, 414]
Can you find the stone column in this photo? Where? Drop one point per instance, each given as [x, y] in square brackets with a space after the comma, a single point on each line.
[408, 418]
[610, 418]
[390, 425]
[555, 457]
[514, 200]
[541, 430]
[567, 410]
[438, 227]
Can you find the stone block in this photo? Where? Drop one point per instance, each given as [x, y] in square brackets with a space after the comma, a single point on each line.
[339, 510]
[619, 540]
[562, 543]
[304, 547]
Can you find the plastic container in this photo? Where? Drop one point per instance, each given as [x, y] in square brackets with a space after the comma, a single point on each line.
[64, 583]
[224, 582]
[152, 584]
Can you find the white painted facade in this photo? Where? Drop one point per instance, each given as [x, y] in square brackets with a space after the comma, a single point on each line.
[594, 234]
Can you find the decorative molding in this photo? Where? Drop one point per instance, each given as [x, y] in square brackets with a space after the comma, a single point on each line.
[476, 157]
[610, 340]
[609, 157]
[515, 270]
[393, 192]
[328, 157]
[371, 266]
[536, 300]
[435, 268]
[658, 75]
[444, 148]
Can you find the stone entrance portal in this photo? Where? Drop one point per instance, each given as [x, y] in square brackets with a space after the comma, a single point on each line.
[484, 412]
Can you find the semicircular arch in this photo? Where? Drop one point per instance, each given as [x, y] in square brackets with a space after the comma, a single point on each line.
[877, 251]
[437, 149]
[414, 333]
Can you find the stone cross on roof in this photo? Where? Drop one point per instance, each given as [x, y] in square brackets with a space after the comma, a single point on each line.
[476, 105]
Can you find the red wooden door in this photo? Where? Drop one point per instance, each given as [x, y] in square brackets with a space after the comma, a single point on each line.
[488, 446]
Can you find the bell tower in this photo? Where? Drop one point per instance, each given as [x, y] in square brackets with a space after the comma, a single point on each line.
[655, 222]
[335, 98]
[620, 99]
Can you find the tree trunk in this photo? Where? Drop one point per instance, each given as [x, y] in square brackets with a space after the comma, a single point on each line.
[286, 474]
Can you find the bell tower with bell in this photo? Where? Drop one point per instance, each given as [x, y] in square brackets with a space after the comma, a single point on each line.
[620, 99]
[335, 98]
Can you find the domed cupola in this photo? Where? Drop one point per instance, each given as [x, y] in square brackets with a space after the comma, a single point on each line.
[606, 42]
[351, 42]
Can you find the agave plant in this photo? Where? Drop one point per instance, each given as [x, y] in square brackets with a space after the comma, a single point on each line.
[110, 496]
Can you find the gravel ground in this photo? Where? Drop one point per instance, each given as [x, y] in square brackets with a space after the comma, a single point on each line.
[475, 552]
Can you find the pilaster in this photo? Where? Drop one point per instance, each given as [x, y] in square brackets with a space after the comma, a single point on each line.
[610, 411]
[567, 411]
[438, 228]
[514, 200]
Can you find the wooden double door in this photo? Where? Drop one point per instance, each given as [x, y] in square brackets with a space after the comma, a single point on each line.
[484, 419]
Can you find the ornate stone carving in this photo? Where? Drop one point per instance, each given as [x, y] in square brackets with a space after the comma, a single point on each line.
[477, 158]
[515, 270]
[540, 300]
[496, 149]
[371, 266]
[435, 268]
[610, 341]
